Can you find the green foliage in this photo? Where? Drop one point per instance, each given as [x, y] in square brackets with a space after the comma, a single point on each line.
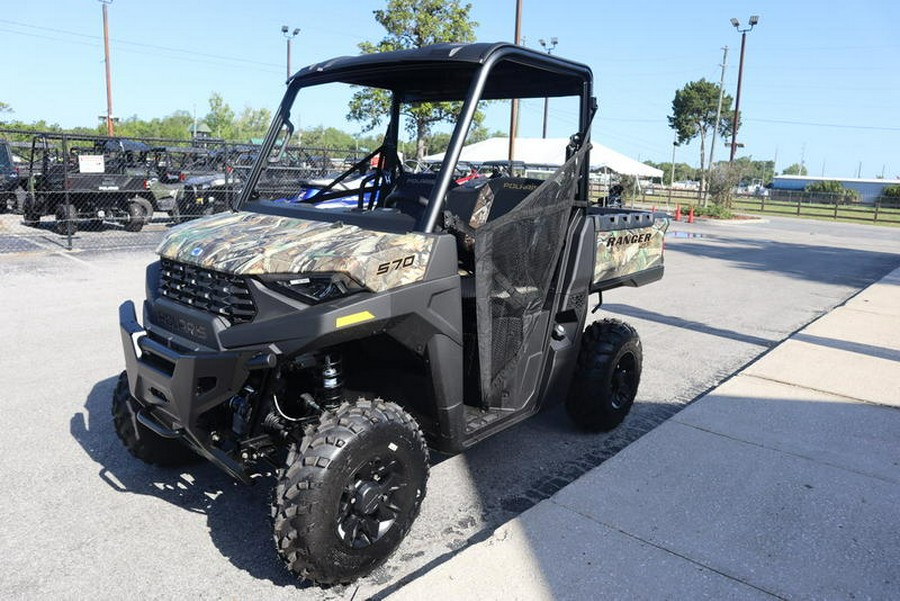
[683, 172]
[5, 108]
[251, 123]
[891, 191]
[176, 126]
[220, 117]
[755, 170]
[414, 24]
[694, 114]
[833, 191]
[715, 210]
[722, 181]
[327, 137]
[795, 169]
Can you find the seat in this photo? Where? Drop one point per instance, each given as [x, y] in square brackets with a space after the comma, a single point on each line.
[470, 206]
[411, 193]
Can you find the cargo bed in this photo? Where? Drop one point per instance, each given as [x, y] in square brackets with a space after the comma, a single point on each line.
[629, 247]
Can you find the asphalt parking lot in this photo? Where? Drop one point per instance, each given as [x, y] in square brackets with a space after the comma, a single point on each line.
[84, 519]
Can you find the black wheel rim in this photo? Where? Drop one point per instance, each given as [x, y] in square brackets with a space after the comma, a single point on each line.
[624, 382]
[371, 503]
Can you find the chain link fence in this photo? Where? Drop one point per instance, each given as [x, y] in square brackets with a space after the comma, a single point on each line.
[93, 192]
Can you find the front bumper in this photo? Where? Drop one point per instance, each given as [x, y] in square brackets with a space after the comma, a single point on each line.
[175, 388]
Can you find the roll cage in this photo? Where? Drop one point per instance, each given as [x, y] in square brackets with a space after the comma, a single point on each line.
[444, 72]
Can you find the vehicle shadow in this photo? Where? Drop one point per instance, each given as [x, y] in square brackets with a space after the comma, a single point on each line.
[199, 488]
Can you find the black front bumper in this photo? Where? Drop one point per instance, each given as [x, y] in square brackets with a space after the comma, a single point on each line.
[175, 388]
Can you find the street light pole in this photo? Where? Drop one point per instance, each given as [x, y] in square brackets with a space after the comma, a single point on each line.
[109, 117]
[737, 101]
[553, 42]
[289, 35]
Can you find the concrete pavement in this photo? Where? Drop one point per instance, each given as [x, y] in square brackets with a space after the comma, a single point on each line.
[783, 482]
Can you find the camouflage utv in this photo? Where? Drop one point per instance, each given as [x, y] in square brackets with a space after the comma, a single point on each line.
[333, 347]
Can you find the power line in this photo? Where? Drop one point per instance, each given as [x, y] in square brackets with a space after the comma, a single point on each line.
[129, 43]
[838, 125]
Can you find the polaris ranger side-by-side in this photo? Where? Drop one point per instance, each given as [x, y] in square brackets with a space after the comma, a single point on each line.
[334, 346]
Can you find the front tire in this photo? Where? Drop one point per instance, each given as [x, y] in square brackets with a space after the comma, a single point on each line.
[350, 492]
[143, 443]
[606, 376]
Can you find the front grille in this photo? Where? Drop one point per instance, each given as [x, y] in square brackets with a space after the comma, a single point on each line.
[211, 291]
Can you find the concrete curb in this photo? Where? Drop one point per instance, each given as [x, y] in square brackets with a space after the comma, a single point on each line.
[779, 483]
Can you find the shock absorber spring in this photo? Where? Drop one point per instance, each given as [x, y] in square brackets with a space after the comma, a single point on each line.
[332, 391]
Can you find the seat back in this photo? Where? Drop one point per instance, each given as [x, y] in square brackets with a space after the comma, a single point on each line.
[478, 201]
[486, 200]
[411, 193]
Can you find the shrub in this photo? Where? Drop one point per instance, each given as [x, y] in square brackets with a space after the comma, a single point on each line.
[722, 182]
[833, 192]
[891, 191]
[716, 211]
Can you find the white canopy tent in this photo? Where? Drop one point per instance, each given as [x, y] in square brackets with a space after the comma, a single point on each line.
[550, 152]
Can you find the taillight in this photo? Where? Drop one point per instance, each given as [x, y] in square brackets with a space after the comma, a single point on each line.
[146, 184]
[181, 177]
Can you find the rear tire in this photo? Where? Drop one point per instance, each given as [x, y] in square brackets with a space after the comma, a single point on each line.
[138, 212]
[350, 492]
[606, 377]
[143, 443]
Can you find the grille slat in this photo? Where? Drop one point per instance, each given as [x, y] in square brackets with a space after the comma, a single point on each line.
[211, 291]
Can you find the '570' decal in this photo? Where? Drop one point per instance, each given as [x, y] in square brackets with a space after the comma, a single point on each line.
[396, 264]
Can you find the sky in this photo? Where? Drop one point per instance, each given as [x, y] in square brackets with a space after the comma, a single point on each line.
[820, 82]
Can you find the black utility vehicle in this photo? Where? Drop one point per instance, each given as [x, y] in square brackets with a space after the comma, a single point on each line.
[85, 180]
[332, 347]
[9, 177]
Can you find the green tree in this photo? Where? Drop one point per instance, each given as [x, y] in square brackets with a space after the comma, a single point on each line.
[754, 170]
[413, 24]
[795, 169]
[328, 137]
[683, 171]
[694, 114]
[5, 108]
[251, 123]
[220, 117]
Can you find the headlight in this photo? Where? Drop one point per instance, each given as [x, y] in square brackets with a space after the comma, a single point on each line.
[314, 288]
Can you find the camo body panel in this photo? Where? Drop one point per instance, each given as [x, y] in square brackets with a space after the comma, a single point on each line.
[256, 244]
[626, 252]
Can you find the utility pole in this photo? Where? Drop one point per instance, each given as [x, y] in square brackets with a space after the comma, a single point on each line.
[737, 101]
[289, 36]
[109, 111]
[712, 147]
[672, 174]
[514, 110]
[553, 42]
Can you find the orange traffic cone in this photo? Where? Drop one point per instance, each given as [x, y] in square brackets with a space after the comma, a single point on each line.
[691, 215]
[677, 212]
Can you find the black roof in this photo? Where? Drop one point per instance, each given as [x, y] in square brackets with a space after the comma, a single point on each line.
[445, 71]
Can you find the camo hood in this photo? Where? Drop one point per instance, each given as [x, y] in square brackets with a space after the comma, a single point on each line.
[257, 244]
